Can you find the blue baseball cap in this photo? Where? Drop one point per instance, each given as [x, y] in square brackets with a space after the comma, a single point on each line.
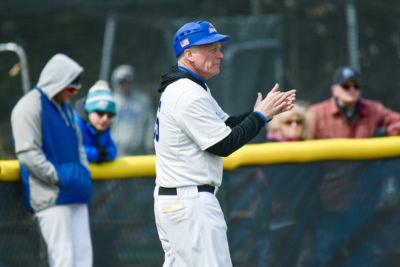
[196, 33]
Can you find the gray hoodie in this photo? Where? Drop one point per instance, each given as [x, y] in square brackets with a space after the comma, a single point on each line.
[133, 127]
[26, 124]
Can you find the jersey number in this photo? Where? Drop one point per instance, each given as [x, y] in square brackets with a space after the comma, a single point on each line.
[157, 126]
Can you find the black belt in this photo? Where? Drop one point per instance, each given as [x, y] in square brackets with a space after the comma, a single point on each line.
[172, 191]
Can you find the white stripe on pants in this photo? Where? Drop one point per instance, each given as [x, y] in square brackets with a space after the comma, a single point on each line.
[66, 231]
[192, 229]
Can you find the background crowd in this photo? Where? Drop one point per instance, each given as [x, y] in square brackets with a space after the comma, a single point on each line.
[315, 37]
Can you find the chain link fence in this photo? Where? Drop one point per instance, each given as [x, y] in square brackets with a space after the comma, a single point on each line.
[325, 213]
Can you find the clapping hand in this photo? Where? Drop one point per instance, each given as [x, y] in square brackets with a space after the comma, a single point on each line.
[275, 102]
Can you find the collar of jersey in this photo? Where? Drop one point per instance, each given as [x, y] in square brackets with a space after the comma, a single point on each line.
[194, 74]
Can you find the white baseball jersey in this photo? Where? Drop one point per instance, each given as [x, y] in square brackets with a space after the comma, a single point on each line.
[189, 121]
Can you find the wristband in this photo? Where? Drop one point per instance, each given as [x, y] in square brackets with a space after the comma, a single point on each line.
[262, 116]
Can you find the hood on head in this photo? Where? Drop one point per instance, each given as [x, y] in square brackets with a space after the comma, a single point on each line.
[58, 73]
[121, 73]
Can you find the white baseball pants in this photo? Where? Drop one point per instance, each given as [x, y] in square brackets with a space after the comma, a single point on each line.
[66, 231]
[191, 228]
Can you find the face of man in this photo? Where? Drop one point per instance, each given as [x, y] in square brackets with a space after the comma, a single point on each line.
[64, 96]
[206, 59]
[347, 93]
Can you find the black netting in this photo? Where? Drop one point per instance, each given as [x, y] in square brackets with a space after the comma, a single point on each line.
[329, 213]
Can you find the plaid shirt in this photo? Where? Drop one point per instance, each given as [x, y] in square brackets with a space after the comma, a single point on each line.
[328, 121]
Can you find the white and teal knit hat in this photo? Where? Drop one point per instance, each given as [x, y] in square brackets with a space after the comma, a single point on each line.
[100, 98]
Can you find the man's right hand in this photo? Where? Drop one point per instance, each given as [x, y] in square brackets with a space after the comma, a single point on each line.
[275, 102]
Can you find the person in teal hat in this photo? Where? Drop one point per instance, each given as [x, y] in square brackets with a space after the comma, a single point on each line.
[93, 114]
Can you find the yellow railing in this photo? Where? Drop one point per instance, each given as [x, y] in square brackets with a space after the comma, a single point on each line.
[252, 154]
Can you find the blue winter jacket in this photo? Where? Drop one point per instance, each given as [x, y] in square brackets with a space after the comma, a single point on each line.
[94, 142]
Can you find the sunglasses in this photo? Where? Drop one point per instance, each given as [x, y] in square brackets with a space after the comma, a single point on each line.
[347, 86]
[102, 113]
[290, 122]
[72, 90]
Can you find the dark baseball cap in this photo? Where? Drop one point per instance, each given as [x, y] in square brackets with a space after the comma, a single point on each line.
[344, 74]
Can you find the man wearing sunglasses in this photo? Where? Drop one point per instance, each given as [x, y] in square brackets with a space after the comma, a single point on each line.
[93, 114]
[55, 173]
[347, 115]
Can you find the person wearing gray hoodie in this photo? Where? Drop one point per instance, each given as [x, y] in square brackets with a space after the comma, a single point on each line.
[133, 126]
[56, 181]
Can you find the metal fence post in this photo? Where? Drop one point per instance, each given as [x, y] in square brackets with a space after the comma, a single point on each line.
[13, 47]
[107, 47]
